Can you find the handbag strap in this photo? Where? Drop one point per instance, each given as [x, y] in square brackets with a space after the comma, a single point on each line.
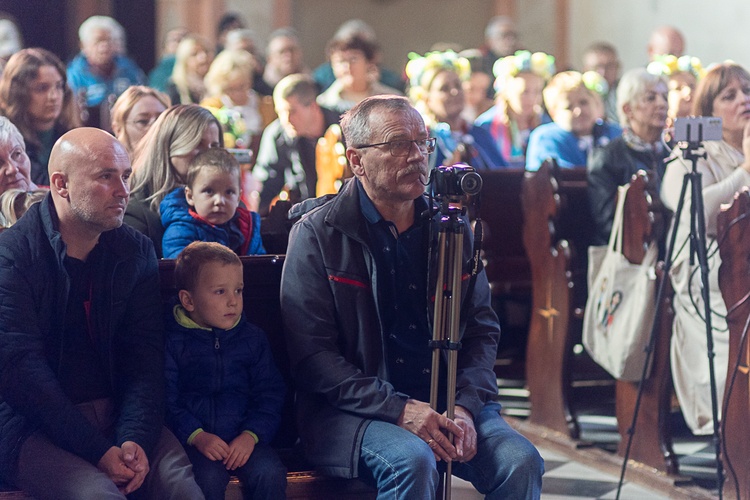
[616, 236]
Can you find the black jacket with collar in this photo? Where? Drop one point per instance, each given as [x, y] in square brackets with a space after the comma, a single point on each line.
[126, 311]
[335, 339]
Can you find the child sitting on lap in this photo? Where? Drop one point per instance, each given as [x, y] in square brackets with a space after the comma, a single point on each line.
[206, 209]
[224, 392]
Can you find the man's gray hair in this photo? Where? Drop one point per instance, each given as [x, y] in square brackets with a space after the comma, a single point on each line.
[495, 24]
[355, 124]
[238, 35]
[285, 32]
[86, 30]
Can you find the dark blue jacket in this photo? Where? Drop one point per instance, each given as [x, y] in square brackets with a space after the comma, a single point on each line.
[183, 226]
[223, 381]
[126, 311]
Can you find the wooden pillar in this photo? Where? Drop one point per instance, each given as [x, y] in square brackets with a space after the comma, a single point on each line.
[198, 16]
[506, 8]
[562, 37]
[282, 13]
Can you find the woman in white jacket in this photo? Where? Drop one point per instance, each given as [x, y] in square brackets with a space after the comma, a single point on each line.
[723, 93]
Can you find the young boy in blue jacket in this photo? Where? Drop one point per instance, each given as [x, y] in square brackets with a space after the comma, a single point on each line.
[207, 208]
[224, 392]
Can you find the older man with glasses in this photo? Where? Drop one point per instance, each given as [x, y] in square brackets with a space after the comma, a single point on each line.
[356, 304]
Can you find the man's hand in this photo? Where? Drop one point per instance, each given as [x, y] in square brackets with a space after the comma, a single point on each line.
[136, 460]
[418, 418]
[240, 450]
[466, 447]
[212, 446]
[113, 465]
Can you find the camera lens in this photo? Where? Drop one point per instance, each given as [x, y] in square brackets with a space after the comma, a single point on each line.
[471, 183]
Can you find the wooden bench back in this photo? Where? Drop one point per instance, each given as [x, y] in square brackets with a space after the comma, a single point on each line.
[556, 234]
[652, 445]
[508, 269]
[734, 280]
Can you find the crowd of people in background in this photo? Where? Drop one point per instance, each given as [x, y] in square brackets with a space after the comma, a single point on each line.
[220, 131]
[493, 106]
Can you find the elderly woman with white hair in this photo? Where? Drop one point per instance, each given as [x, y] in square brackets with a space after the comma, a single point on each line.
[642, 107]
[15, 167]
[101, 69]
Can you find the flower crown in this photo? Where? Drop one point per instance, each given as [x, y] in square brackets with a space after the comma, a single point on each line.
[539, 63]
[668, 65]
[419, 65]
[595, 83]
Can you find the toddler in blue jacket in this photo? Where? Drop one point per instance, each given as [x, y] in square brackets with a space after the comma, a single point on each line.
[207, 208]
[224, 392]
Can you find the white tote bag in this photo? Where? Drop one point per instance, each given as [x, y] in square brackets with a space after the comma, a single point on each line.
[620, 308]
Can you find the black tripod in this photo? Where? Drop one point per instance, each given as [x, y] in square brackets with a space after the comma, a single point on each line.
[697, 249]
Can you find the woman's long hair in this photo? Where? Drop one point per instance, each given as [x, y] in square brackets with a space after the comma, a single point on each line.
[21, 70]
[180, 75]
[176, 132]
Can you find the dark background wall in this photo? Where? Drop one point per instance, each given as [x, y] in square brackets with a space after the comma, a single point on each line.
[53, 24]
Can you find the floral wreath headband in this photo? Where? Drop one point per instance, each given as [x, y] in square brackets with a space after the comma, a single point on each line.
[523, 61]
[667, 65]
[595, 83]
[419, 65]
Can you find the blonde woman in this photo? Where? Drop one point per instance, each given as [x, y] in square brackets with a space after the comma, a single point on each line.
[134, 112]
[518, 109]
[192, 60]
[229, 84]
[161, 160]
[436, 88]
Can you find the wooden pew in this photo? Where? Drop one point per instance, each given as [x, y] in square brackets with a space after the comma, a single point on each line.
[506, 264]
[556, 233]
[734, 280]
[644, 222]
[508, 269]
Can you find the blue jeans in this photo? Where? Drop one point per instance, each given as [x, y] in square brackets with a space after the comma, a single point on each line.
[402, 466]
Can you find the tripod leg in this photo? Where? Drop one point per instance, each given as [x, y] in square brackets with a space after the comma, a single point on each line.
[438, 322]
[700, 247]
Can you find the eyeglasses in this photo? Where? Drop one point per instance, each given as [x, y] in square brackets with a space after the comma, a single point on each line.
[403, 148]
